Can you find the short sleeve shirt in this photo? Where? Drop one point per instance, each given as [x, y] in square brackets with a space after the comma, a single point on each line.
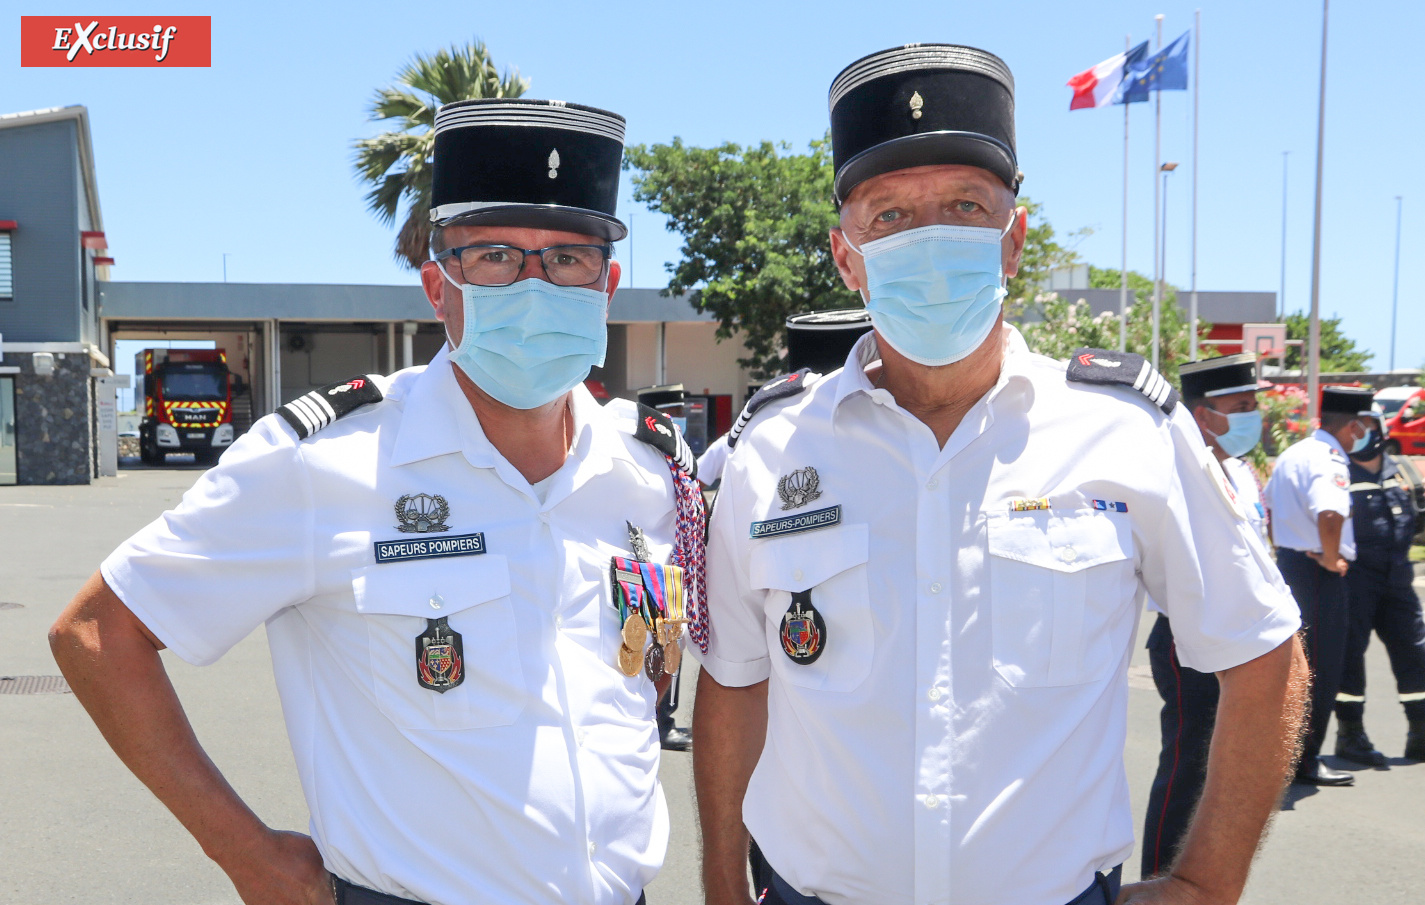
[535, 779]
[960, 736]
[1311, 477]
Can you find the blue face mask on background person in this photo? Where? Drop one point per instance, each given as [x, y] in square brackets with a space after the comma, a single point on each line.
[934, 292]
[531, 342]
[1244, 432]
[1363, 442]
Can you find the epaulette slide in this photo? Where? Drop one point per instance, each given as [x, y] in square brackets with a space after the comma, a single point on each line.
[772, 390]
[657, 430]
[1109, 368]
[313, 411]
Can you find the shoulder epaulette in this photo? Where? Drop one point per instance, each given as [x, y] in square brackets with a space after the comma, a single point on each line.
[313, 411]
[1109, 368]
[772, 390]
[658, 431]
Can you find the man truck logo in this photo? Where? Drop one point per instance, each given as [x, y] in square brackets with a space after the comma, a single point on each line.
[167, 41]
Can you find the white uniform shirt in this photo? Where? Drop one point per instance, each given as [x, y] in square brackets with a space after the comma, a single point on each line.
[711, 462]
[536, 779]
[1310, 477]
[960, 739]
[1249, 495]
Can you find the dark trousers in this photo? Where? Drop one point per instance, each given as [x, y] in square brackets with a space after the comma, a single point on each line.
[1186, 721]
[771, 889]
[1325, 623]
[1383, 600]
[351, 894]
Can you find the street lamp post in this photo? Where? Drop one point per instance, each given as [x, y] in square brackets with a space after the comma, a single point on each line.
[1165, 169]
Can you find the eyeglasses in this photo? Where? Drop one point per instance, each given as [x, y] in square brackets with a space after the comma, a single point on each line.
[500, 265]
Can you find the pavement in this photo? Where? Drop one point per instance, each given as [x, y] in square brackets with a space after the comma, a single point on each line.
[77, 827]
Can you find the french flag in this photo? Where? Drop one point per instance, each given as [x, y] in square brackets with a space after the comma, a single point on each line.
[1098, 86]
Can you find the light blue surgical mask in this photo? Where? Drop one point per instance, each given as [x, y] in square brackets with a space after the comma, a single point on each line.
[1244, 432]
[1363, 442]
[934, 292]
[531, 342]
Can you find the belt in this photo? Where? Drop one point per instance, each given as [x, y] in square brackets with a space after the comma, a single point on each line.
[351, 894]
[1102, 891]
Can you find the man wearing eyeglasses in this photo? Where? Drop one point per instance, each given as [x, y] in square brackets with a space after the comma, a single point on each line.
[443, 562]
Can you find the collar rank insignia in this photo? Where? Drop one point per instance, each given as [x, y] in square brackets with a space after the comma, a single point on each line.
[799, 488]
[803, 630]
[440, 656]
[422, 513]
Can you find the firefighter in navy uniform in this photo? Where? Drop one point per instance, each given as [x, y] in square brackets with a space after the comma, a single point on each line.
[1385, 517]
[1221, 393]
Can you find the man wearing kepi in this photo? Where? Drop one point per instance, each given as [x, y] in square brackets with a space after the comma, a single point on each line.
[1221, 395]
[470, 573]
[925, 569]
[1309, 500]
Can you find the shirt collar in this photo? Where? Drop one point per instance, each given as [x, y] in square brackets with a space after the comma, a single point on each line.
[1326, 437]
[1014, 381]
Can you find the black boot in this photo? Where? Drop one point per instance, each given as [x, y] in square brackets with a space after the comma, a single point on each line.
[1352, 743]
[1315, 773]
[1415, 741]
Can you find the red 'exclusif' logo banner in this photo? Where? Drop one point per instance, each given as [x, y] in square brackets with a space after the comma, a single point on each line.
[116, 41]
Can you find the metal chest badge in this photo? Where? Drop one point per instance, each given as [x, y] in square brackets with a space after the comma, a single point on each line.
[422, 512]
[799, 488]
[803, 630]
[440, 656]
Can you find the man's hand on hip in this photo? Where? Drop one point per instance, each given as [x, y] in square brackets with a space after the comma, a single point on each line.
[1163, 891]
[285, 869]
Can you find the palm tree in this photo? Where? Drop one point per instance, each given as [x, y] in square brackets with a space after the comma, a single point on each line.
[398, 164]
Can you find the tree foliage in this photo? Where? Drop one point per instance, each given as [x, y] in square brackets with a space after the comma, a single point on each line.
[1338, 351]
[1042, 254]
[397, 163]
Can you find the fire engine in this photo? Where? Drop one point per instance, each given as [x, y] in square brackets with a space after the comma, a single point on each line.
[187, 403]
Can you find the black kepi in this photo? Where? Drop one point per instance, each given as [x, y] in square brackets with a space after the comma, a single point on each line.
[528, 163]
[822, 340]
[921, 105]
[1347, 401]
[1220, 376]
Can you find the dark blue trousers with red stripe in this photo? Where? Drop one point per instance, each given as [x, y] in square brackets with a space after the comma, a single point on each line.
[1188, 715]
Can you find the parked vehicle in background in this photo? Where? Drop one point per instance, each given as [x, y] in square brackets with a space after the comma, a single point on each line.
[1391, 399]
[187, 403]
[1405, 426]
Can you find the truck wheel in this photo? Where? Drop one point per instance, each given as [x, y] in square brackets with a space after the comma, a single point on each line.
[148, 452]
[206, 456]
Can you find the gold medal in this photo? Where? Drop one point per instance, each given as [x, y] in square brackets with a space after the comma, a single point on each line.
[672, 657]
[629, 661]
[635, 631]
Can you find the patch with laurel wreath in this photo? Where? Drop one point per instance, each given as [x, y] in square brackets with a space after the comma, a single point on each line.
[421, 513]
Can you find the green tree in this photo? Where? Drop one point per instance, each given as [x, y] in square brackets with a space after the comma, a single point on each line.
[1042, 253]
[397, 163]
[754, 222]
[1338, 351]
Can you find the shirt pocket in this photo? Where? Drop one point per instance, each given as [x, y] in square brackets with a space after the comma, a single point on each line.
[473, 593]
[831, 563]
[1058, 581]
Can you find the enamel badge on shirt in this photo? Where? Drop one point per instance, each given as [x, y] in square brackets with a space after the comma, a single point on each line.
[440, 656]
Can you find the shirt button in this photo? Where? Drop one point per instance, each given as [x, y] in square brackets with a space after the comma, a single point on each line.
[932, 483]
[797, 574]
[932, 802]
[579, 735]
[935, 587]
[1068, 554]
[436, 601]
[592, 848]
[544, 517]
[558, 621]
[933, 694]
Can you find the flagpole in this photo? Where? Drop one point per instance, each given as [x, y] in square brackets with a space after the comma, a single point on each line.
[1157, 205]
[1313, 349]
[1196, 76]
[1123, 268]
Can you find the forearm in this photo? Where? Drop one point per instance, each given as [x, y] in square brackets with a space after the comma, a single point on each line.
[1254, 747]
[1328, 527]
[729, 729]
[112, 664]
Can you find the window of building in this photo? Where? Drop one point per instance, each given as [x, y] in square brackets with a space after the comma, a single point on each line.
[7, 288]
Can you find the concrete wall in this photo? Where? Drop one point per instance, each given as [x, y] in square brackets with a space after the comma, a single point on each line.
[54, 435]
[40, 189]
[702, 364]
[330, 354]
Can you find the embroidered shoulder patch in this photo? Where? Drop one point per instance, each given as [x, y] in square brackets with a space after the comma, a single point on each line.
[774, 389]
[657, 430]
[313, 411]
[1109, 368]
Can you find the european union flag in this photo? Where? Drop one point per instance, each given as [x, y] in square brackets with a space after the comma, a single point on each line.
[1166, 70]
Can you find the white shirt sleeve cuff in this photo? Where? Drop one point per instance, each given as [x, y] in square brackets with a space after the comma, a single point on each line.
[732, 674]
[1262, 638]
[128, 587]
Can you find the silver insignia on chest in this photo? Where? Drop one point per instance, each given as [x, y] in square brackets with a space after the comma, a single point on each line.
[799, 488]
[422, 513]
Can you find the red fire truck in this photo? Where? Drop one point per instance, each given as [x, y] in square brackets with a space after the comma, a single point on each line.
[187, 403]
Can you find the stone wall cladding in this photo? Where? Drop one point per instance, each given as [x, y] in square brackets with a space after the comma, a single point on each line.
[53, 421]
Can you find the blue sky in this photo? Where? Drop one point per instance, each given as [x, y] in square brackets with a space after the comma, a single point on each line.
[252, 157]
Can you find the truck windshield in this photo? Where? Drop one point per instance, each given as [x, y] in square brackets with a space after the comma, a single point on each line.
[190, 386]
